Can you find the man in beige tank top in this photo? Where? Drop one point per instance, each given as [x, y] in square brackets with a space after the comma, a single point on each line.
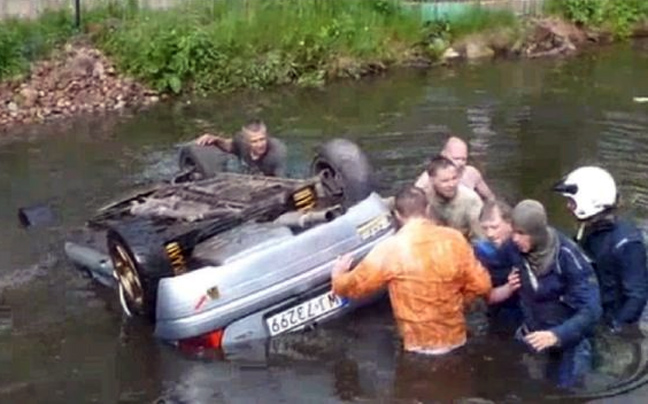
[456, 150]
[454, 204]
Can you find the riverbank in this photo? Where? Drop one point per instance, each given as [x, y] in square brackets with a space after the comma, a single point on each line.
[126, 55]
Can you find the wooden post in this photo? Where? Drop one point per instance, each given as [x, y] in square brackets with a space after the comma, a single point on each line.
[77, 13]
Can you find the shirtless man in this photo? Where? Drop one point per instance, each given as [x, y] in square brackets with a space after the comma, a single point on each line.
[456, 150]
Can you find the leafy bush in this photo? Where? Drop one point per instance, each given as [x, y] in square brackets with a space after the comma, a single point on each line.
[617, 15]
[225, 44]
[221, 45]
[23, 41]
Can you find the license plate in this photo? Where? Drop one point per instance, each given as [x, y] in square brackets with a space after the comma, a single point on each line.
[304, 312]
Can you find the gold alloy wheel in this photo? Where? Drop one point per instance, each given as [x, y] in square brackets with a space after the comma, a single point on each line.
[127, 275]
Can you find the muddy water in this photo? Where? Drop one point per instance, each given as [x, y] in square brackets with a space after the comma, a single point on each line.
[528, 123]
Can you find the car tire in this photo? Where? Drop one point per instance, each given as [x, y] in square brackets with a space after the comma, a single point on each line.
[344, 172]
[206, 161]
[139, 261]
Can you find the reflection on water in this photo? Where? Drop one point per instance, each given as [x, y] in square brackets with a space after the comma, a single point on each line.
[527, 123]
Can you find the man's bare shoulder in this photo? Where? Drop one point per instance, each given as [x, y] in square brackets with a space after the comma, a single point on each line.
[468, 195]
[471, 175]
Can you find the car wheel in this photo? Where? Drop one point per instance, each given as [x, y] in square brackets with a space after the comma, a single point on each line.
[344, 172]
[205, 161]
[139, 261]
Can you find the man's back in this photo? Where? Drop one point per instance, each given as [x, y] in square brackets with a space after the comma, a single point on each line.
[431, 274]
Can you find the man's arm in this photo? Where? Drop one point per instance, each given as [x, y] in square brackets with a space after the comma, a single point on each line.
[226, 145]
[631, 257]
[504, 292]
[477, 281]
[582, 294]
[369, 276]
[279, 159]
[483, 190]
[474, 210]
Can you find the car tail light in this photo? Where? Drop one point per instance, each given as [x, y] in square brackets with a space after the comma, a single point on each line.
[211, 340]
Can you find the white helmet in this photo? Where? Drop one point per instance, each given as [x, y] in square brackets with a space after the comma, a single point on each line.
[592, 189]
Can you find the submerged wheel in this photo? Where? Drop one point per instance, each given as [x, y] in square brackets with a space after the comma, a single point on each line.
[131, 293]
[344, 172]
[204, 161]
[139, 262]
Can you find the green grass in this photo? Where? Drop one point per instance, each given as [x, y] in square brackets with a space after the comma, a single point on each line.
[23, 41]
[478, 19]
[221, 45]
[618, 16]
[226, 44]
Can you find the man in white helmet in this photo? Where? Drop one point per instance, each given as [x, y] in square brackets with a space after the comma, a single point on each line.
[615, 246]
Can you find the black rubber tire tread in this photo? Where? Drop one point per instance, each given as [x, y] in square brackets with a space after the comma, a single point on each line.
[351, 165]
[207, 160]
[146, 248]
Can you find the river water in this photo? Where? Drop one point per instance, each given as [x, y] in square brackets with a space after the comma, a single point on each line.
[528, 123]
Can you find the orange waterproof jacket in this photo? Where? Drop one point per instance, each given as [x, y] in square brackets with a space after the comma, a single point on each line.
[431, 274]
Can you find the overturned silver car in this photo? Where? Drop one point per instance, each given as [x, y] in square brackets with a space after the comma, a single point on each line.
[217, 258]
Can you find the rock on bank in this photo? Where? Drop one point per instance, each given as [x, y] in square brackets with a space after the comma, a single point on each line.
[77, 79]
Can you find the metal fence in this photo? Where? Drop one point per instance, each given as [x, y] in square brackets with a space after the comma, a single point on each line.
[31, 8]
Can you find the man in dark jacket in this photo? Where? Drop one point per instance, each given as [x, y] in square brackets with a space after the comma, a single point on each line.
[559, 294]
[257, 151]
[615, 246]
[500, 256]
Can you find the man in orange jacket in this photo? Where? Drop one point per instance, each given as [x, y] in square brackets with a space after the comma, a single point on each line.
[431, 274]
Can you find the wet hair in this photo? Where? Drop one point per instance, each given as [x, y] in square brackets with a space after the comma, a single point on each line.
[411, 201]
[254, 126]
[497, 205]
[438, 163]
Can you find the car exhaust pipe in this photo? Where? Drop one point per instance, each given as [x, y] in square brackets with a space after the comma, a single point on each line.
[306, 219]
[99, 265]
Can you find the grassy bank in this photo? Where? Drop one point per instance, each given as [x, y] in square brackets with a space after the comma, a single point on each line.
[22, 41]
[616, 16]
[220, 45]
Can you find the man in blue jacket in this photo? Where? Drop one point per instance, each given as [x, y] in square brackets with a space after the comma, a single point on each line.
[615, 246]
[559, 294]
[499, 255]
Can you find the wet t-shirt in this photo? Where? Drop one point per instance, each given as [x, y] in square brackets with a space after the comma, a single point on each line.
[461, 212]
[272, 163]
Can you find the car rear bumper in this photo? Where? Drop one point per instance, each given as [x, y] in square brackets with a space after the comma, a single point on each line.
[243, 319]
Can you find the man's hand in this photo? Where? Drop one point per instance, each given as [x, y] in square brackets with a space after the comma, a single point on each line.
[541, 340]
[342, 265]
[501, 293]
[207, 140]
[513, 281]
